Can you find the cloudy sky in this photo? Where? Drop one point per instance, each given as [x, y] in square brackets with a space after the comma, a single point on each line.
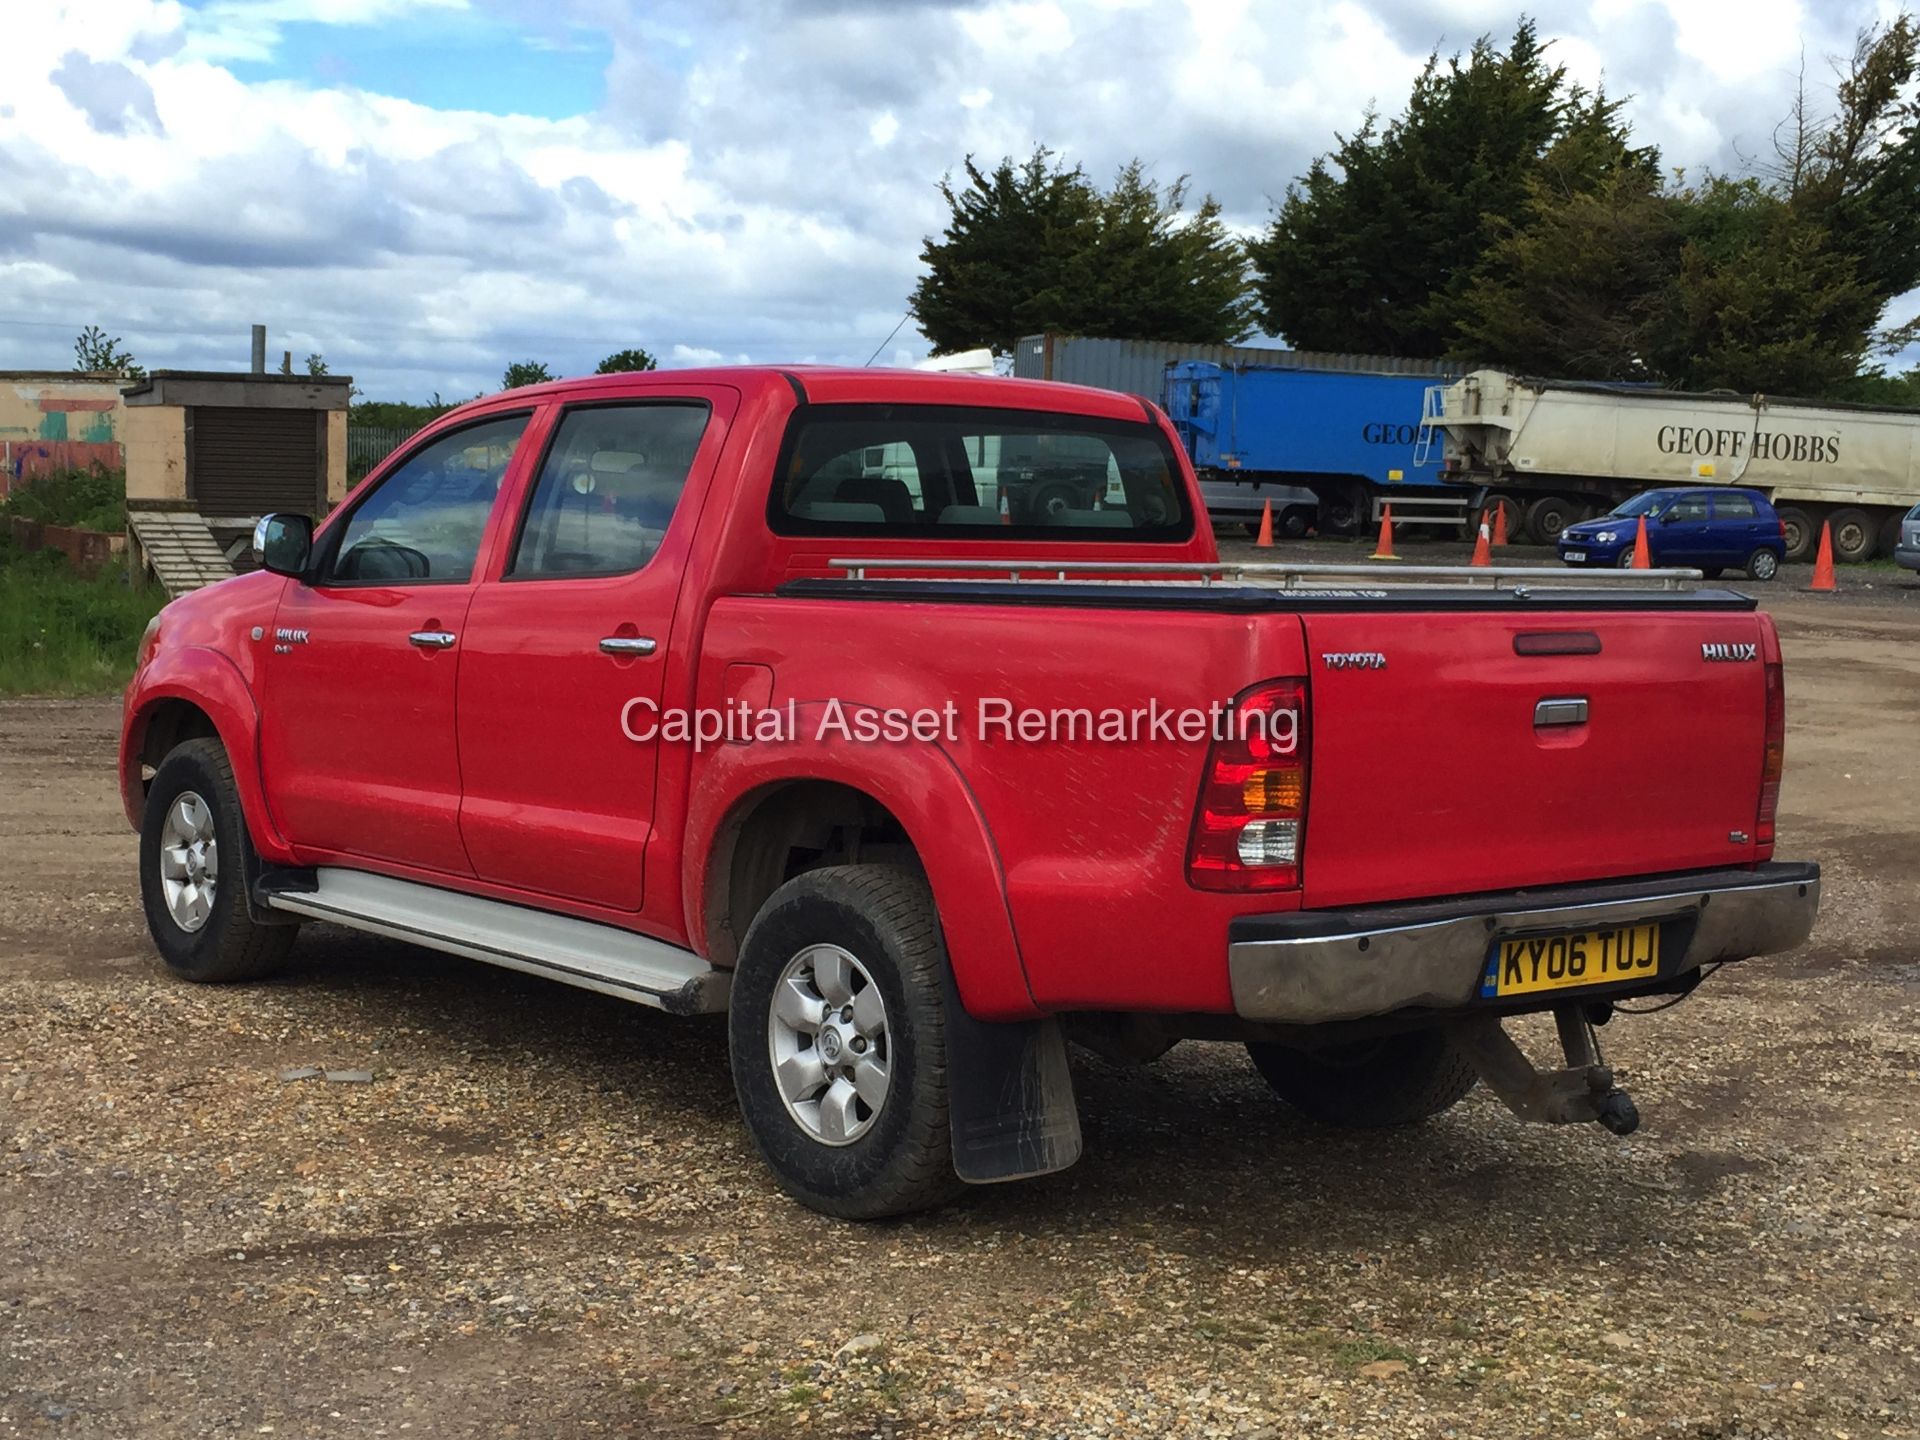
[424, 190]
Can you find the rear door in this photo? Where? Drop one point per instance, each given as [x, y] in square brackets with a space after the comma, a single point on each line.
[1468, 751]
[565, 656]
[1737, 527]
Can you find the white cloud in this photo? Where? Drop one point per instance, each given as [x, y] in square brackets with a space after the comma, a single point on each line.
[755, 186]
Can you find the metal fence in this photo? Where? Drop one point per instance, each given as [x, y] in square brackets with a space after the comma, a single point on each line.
[368, 445]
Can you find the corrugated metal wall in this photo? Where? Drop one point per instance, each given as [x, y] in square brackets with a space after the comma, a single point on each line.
[1138, 367]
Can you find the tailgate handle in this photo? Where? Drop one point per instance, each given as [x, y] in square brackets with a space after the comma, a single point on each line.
[1569, 710]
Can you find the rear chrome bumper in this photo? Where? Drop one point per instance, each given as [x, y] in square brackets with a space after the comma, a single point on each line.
[1315, 966]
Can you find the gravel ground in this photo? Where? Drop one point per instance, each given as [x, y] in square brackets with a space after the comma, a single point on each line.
[539, 1216]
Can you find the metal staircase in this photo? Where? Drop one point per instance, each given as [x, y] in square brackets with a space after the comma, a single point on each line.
[179, 548]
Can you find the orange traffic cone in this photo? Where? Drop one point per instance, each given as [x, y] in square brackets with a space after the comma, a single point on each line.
[1481, 554]
[1266, 526]
[1823, 562]
[1384, 549]
[1500, 523]
[1006, 511]
[1641, 560]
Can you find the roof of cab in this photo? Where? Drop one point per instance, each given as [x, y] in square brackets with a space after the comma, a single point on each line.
[841, 385]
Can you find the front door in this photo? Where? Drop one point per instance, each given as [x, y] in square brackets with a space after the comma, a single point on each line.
[1684, 533]
[565, 656]
[357, 701]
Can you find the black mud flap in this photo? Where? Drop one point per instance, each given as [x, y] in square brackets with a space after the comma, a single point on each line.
[1009, 1096]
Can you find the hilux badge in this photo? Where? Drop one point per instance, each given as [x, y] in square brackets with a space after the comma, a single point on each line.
[1736, 650]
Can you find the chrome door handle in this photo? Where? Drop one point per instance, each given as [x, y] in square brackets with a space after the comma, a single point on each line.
[432, 639]
[1569, 710]
[629, 645]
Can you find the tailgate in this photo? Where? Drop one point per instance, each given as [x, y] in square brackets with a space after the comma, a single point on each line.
[1441, 764]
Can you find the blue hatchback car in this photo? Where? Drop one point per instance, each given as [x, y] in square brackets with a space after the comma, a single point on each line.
[1713, 530]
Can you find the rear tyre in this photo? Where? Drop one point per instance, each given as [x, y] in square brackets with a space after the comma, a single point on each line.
[1371, 1084]
[1761, 565]
[1853, 536]
[1798, 532]
[837, 1032]
[1548, 516]
[195, 856]
[1294, 522]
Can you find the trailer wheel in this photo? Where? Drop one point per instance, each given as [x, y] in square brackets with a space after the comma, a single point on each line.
[1889, 535]
[1295, 521]
[1547, 517]
[1853, 536]
[1515, 520]
[1799, 531]
[1342, 512]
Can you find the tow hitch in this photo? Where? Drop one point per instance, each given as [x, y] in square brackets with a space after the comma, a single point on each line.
[1583, 1091]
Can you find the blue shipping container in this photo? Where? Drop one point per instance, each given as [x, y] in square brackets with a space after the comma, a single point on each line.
[1301, 425]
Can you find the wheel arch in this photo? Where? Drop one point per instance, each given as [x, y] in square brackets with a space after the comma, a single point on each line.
[764, 813]
[187, 694]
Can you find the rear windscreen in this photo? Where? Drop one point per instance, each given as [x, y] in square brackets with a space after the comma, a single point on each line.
[946, 471]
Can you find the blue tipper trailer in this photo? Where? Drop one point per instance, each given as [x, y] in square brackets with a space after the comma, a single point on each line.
[1352, 438]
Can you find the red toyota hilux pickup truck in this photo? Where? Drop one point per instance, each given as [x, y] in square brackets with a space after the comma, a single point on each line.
[912, 721]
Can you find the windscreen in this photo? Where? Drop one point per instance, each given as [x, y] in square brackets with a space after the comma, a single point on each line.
[951, 472]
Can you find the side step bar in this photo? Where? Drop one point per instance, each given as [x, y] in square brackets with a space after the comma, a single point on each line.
[592, 956]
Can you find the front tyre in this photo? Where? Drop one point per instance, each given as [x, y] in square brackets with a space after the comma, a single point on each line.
[1371, 1084]
[194, 859]
[837, 1033]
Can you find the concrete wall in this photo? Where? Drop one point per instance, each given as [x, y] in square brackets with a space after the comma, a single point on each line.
[156, 452]
[51, 420]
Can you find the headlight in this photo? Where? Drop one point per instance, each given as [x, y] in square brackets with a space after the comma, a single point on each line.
[1606, 537]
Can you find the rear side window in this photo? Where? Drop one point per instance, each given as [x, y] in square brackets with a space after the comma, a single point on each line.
[607, 489]
[1734, 507]
[936, 471]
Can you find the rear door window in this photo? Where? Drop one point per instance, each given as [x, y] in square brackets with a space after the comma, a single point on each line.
[608, 488]
[930, 471]
[1734, 507]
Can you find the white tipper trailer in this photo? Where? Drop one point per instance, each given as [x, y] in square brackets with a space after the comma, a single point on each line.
[1558, 451]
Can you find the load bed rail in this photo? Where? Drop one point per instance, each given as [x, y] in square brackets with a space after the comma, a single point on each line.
[1522, 579]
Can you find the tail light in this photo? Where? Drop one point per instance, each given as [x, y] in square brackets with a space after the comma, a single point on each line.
[1774, 759]
[1250, 827]
[1783, 526]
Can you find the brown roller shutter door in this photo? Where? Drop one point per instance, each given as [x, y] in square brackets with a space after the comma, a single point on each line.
[252, 462]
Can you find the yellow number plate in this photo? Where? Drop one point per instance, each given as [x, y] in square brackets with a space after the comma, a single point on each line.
[1562, 962]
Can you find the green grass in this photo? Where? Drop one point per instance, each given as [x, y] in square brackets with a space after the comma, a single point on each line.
[62, 635]
[89, 499]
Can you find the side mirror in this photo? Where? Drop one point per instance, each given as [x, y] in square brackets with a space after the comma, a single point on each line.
[283, 544]
[1669, 518]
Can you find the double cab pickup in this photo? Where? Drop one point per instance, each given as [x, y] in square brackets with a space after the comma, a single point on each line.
[912, 721]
